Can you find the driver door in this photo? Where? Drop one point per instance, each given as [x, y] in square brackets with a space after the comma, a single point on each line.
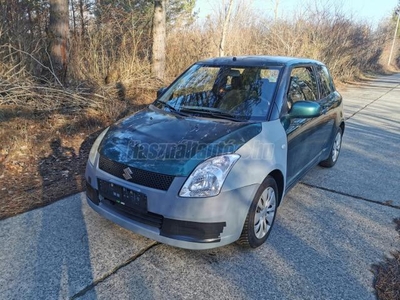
[302, 133]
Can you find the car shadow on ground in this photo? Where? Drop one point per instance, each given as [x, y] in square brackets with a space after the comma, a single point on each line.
[63, 260]
[367, 166]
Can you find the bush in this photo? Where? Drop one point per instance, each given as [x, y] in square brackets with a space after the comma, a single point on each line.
[109, 56]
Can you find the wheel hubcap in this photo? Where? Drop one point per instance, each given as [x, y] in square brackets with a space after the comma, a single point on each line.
[336, 146]
[265, 213]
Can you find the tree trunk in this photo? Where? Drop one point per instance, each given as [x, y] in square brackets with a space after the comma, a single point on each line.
[276, 7]
[59, 33]
[82, 18]
[225, 29]
[73, 17]
[159, 39]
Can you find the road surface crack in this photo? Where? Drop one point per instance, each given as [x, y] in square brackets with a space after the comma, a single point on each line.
[384, 203]
[114, 270]
[373, 101]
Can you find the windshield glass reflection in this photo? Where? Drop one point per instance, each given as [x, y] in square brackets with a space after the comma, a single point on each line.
[236, 93]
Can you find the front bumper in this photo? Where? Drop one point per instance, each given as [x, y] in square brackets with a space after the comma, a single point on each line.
[191, 223]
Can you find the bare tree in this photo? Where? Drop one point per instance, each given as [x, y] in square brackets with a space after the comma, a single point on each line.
[228, 10]
[276, 6]
[59, 34]
[159, 39]
[73, 15]
[397, 14]
[82, 17]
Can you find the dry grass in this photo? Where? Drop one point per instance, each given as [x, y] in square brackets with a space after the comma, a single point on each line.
[320, 31]
[387, 275]
[47, 129]
[25, 151]
[43, 153]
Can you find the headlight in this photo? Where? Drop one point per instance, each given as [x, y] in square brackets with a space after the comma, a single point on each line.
[93, 150]
[208, 177]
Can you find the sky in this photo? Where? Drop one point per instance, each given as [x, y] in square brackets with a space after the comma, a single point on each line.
[372, 11]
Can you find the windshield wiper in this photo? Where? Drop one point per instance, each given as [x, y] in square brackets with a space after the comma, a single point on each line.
[213, 113]
[171, 108]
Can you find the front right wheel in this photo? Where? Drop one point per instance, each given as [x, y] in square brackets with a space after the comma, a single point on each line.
[261, 215]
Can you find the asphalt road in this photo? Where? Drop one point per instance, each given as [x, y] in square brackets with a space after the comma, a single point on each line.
[329, 231]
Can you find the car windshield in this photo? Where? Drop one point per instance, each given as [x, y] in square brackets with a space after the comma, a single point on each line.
[234, 93]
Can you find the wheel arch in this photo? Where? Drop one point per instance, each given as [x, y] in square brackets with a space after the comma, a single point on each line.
[342, 126]
[280, 182]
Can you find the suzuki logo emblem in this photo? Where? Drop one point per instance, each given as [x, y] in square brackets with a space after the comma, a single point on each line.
[127, 173]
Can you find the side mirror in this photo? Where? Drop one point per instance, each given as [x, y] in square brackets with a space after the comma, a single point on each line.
[305, 109]
[161, 91]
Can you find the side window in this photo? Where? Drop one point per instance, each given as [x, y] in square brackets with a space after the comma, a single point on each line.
[326, 81]
[302, 85]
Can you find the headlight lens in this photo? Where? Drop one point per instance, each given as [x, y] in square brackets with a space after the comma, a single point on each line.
[208, 177]
[93, 150]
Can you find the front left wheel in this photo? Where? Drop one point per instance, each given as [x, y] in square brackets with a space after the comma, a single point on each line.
[261, 215]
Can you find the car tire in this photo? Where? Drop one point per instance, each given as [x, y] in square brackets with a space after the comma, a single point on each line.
[261, 215]
[335, 151]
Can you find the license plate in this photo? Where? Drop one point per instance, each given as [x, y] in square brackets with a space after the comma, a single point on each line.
[123, 195]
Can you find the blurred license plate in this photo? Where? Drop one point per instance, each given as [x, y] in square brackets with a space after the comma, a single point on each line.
[123, 195]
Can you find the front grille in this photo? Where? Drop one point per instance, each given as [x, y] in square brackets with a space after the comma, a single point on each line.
[147, 218]
[146, 178]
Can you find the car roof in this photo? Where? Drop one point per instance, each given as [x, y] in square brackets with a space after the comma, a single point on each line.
[257, 60]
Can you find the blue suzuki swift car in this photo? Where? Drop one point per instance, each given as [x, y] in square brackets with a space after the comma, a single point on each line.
[211, 159]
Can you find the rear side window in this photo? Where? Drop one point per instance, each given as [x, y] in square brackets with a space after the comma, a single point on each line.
[326, 81]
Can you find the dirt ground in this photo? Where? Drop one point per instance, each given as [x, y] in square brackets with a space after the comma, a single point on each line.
[42, 156]
[387, 275]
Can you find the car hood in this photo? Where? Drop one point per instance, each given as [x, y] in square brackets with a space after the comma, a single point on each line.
[162, 142]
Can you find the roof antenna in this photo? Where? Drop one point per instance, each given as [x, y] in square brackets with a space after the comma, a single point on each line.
[234, 58]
